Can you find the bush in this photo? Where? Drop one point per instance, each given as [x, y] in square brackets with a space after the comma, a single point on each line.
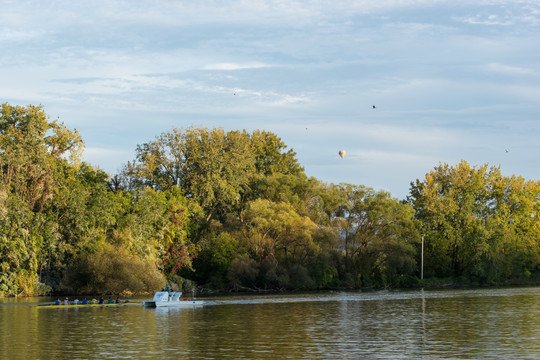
[271, 276]
[112, 270]
[243, 272]
[299, 278]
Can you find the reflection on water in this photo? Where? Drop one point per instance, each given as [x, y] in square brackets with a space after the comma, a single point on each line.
[463, 324]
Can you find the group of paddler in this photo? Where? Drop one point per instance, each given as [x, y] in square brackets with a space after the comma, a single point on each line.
[84, 301]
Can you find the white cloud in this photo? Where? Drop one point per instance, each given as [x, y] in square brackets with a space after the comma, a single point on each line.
[280, 100]
[505, 13]
[179, 14]
[125, 71]
[509, 69]
[235, 66]
[486, 20]
[8, 35]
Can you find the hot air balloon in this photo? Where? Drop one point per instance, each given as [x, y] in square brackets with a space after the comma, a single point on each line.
[342, 153]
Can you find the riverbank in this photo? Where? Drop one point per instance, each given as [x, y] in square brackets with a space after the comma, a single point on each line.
[429, 283]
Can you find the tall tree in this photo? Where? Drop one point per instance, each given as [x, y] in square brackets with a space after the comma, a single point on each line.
[277, 232]
[378, 235]
[159, 163]
[221, 170]
[34, 152]
[271, 155]
[477, 222]
[218, 169]
[449, 203]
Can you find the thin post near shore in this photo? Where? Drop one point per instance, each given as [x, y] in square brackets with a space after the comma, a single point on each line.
[422, 260]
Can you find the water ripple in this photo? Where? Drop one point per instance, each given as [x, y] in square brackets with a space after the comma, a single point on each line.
[460, 324]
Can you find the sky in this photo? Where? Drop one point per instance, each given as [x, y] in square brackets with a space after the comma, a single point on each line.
[450, 80]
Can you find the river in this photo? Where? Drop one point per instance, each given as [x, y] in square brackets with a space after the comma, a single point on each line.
[443, 324]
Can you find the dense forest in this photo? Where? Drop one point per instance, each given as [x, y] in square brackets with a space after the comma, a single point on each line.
[234, 211]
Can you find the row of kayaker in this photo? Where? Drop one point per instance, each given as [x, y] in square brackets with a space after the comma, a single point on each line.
[84, 301]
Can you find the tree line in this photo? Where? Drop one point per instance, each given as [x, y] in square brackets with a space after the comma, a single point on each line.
[235, 211]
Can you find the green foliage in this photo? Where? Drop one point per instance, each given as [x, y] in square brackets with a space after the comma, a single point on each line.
[112, 270]
[377, 233]
[176, 249]
[271, 275]
[324, 270]
[299, 278]
[276, 231]
[243, 272]
[235, 211]
[32, 148]
[33, 152]
[213, 261]
[271, 156]
[210, 166]
[478, 223]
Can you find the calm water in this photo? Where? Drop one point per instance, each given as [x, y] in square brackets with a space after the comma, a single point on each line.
[458, 324]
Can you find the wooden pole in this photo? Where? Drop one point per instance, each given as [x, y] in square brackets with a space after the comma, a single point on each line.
[422, 266]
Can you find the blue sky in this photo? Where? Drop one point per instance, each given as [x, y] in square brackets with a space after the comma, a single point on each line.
[451, 80]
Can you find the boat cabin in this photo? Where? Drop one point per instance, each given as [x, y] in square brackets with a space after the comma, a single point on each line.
[167, 296]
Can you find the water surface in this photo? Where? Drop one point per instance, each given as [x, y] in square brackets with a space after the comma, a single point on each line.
[449, 324]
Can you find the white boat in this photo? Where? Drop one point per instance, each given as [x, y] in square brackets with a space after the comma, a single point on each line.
[171, 299]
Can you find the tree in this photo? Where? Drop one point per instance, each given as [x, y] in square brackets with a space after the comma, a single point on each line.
[277, 232]
[158, 164]
[477, 222]
[34, 152]
[178, 249]
[112, 270]
[449, 204]
[271, 155]
[218, 250]
[31, 149]
[210, 166]
[83, 213]
[378, 235]
[218, 169]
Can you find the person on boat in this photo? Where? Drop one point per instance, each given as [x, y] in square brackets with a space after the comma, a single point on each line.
[84, 301]
[110, 300]
[57, 302]
[76, 301]
[101, 301]
[66, 301]
[127, 300]
[117, 301]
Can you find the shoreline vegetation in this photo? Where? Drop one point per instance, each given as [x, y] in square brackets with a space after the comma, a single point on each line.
[234, 211]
